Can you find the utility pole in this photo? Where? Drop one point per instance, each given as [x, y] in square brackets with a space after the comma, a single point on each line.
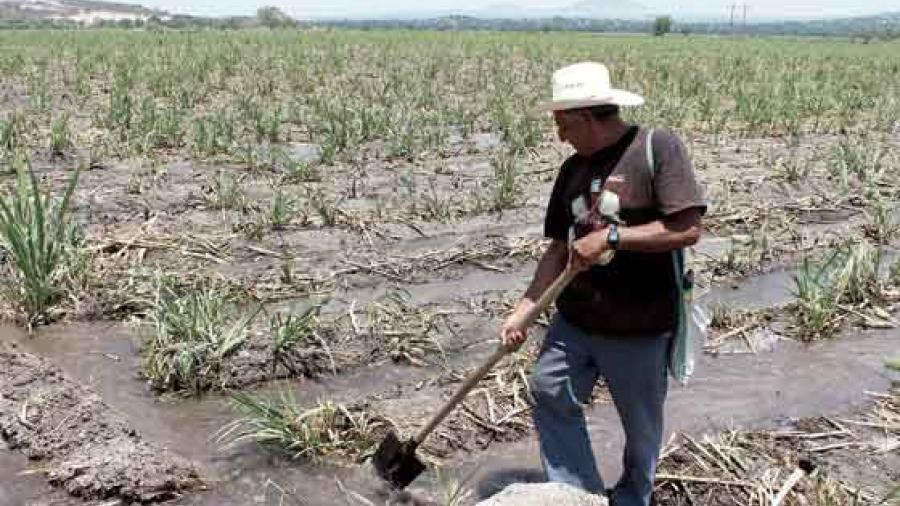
[731, 24]
[745, 18]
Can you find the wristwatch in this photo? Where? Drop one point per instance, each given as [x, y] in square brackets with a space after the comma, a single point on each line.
[612, 237]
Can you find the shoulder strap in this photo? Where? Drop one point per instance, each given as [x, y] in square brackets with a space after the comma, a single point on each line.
[651, 161]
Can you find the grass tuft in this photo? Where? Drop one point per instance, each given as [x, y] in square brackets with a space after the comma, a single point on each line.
[38, 236]
[326, 430]
[504, 183]
[847, 275]
[295, 341]
[193, 334]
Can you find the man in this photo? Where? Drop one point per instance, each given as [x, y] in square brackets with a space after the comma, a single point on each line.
[615, 320]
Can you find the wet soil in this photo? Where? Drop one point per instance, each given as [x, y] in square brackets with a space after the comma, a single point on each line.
[83, 446]
[24, 484]
[738, 390]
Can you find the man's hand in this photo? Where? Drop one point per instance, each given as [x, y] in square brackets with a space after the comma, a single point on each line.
[512, 337]
[513, 333]
[587, 250]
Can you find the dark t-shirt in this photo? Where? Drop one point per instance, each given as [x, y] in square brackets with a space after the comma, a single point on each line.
[636, 293]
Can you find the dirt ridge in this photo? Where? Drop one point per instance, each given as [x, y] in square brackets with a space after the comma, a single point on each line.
[89, 450]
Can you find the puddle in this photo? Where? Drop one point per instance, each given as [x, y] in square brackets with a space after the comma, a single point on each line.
[305, 152]
[21, 485]
[771, 289]
[481, 140]
[470, 285]
[486, 140]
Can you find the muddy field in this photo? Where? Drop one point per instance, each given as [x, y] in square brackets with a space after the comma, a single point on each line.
[365, 284]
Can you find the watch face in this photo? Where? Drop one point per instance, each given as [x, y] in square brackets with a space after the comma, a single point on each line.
[613, 237]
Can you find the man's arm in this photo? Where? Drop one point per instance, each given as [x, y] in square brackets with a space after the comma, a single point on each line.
[677, 230]
[551, 264]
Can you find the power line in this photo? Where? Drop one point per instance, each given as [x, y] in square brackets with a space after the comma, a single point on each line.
[733, 10]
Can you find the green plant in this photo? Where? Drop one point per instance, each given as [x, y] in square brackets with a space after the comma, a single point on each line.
[300, 171]
[504, 183]
[159, 127]
[281, 211]
[435, 206]
[267, 125]
[298, 331]
[859, 157]
[882, 227]
[120, 110]
[12, 133]
[212, 135]
[225, 192]
[746, 253]
[60, 139]
[404, 332]
[193, 333]
[37, 233]
[325, 430]
[792, 169]
[289, 331]
[848, 274]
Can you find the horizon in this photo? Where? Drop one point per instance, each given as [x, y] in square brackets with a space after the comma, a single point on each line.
[757, 10]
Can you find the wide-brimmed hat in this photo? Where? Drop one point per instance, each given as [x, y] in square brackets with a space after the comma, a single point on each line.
[586, 84]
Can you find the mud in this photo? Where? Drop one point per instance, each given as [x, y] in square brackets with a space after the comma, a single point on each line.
[84, 447]
[745, 390]
[22, 485]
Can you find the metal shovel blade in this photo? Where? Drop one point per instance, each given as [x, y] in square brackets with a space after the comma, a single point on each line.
[395, 461]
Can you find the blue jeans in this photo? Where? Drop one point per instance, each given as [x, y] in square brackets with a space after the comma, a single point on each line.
[635, 369]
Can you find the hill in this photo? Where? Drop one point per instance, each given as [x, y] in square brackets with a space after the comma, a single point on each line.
[77, 11]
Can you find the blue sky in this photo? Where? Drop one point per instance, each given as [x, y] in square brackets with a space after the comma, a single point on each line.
[360, 8]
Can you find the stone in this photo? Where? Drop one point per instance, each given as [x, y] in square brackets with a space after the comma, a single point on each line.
[544, 494]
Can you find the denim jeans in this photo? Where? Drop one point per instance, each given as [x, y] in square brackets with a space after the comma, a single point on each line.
[570, 363]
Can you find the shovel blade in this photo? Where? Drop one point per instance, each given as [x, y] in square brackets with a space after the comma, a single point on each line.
[395, 461]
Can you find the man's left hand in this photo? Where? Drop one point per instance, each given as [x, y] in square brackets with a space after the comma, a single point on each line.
[587, 250]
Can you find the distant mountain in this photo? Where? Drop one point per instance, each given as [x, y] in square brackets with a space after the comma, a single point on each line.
[79, 11]
[592, 9]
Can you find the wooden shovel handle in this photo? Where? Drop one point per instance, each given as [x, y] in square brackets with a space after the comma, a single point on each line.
[547, 298]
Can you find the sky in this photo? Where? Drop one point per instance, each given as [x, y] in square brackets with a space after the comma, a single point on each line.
[362, 8]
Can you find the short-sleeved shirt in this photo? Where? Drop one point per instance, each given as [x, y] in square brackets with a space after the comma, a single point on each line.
[636, 293]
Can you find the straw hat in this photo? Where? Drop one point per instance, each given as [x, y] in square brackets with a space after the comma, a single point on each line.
[586, 84]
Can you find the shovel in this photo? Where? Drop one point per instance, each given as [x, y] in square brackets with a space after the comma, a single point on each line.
[395, 460]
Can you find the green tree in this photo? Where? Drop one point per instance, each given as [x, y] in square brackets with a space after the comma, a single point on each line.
[273, 17]
[662, 25]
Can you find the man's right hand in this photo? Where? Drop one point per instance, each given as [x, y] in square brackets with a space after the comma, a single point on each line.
[513, 333]
[512, 336]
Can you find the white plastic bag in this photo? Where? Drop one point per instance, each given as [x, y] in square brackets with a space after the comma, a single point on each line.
[690, 334]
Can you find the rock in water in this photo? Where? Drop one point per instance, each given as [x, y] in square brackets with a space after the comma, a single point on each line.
[544, 494]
